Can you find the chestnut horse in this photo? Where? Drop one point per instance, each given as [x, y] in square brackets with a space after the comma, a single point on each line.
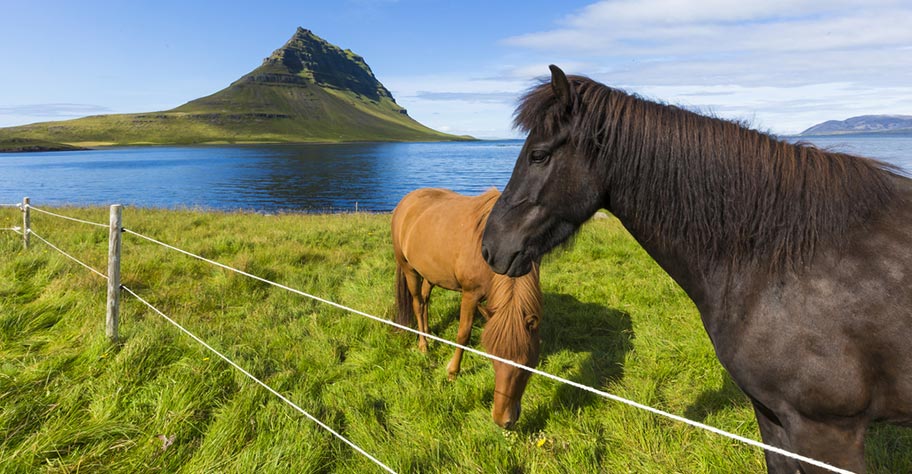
[437, 242]
[798, 259]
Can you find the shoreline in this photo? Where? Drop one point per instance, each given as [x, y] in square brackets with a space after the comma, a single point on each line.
[88, 146]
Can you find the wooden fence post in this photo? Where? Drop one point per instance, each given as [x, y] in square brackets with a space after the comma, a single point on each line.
[113, 307]
[26, 222]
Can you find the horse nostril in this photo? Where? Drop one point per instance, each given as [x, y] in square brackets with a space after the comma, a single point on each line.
[484, 252]
[509, 424]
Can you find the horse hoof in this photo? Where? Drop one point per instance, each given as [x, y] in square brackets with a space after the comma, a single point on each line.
[452, 376]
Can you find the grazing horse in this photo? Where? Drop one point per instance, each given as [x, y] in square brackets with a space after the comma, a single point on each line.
[798, 259]
[437, 242]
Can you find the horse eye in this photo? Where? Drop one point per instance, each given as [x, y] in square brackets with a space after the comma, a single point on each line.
[539, 156]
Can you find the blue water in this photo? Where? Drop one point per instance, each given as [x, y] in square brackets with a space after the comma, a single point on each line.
[341, 177]
[895, 149]
[335, 177]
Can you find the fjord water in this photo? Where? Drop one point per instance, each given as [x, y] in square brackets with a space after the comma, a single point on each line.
[265, 178]
[309, 178]
[895, 149]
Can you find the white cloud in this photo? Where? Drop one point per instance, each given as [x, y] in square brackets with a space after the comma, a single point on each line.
[53, 110]
[786, 110]
[789, 63]
[480, 104]
[19, 114]
[465, 105]
[687, 27]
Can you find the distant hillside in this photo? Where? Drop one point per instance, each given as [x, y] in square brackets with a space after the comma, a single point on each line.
[18, 145]
[306, 91]
[863, 124]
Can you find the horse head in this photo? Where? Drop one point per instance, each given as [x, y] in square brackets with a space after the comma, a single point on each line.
[549, 194]
[512, 334]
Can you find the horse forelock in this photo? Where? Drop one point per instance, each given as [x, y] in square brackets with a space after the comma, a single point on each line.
[515, 305]
[714, 188]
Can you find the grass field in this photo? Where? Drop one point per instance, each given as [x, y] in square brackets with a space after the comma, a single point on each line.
[159, 402]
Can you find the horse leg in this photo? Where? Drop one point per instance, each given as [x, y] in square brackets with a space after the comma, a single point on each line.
[773, 434]
[422, 316]
[840, 445]
[466, 316]
[415, 284]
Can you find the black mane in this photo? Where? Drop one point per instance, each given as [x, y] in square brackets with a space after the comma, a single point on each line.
[715, 188]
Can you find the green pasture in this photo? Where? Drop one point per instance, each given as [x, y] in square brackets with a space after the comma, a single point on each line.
[157, 401]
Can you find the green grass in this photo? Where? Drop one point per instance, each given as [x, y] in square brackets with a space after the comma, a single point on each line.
[72, 402]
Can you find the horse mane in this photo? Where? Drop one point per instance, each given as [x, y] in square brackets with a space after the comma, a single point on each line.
[479, 215]
[515, 305]
[714, 188]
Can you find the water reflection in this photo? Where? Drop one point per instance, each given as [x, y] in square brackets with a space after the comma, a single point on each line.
[373, 176]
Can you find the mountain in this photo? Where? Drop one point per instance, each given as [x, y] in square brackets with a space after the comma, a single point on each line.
[306, 91]
[863, 124]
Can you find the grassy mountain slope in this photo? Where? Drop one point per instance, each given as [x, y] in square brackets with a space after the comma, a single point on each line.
[306, 91]
[18, 145]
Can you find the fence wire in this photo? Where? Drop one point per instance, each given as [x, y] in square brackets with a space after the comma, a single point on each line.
[67, 217]
[17, 230]
[258, 381]
[32, 232]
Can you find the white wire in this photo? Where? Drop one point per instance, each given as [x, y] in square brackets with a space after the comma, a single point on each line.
[222, 356]
[267, 387]
[67, 217]
[32, 232]
[14, 229]
[580, 386]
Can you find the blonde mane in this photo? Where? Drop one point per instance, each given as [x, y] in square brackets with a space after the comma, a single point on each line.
[515, 305]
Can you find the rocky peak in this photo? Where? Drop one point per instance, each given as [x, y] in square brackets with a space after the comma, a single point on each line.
[310, 57]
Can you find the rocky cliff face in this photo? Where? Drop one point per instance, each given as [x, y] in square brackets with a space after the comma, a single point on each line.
[307, 57]
[863, 124]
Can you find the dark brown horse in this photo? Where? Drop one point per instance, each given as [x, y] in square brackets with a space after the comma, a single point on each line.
[798, 259]
[437, 242]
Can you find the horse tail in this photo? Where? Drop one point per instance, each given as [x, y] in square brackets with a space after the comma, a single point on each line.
[404, 312]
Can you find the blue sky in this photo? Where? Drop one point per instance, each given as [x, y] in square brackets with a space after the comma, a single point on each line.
[459, 66]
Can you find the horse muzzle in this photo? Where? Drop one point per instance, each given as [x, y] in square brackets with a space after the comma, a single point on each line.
[507, 418]
[514, 264]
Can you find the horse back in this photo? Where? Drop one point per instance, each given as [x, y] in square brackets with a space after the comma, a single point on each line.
[438, 233]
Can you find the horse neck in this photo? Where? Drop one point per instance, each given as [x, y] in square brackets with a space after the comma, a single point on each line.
[702, 194]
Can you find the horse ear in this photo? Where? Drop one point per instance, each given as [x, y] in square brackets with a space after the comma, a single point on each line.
[561, 86]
